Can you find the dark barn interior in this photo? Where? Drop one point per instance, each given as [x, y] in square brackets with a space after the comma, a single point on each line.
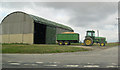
[39, 33]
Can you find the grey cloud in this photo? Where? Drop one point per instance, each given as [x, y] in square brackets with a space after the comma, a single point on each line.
[85, 7]
[83, 14]
[16, 5]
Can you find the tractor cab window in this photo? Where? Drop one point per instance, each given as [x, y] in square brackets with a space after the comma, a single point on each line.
[93, 34]
[89, 34]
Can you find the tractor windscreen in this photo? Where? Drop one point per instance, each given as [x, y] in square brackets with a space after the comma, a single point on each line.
[90, 34]
[93, 34]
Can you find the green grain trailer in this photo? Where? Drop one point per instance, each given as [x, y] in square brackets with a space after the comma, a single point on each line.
[67, 38]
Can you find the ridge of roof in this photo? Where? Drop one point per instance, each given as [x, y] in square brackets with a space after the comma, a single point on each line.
[48, 22]
[39, 19]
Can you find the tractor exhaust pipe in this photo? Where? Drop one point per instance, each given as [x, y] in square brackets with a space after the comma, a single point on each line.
[98, 33]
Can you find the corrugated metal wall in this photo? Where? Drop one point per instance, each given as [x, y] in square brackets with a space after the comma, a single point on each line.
[17, 23]
[15, 27]
[50, 35]
[0, 33]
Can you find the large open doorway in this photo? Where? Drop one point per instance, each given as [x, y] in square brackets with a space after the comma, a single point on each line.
[39, 33]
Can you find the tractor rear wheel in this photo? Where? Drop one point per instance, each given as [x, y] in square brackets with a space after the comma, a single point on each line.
[66, 43]
[60, 42]
[88, 42]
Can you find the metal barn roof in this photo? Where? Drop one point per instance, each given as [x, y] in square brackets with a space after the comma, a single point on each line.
[47, 22]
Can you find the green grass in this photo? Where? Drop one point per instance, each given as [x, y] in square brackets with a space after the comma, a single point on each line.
[15, 44]
[112, 44]
[25, 48]
[76, 43]
[36, 48]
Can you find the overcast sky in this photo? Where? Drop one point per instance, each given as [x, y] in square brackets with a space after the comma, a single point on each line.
[80, 16]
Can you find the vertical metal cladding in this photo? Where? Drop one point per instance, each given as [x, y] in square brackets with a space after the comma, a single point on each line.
[15, 27]
[17, 23]
[50, 35]
[0, 34]
[0, 29]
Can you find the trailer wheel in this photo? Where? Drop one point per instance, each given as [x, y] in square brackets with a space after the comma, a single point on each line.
[66, 42]
[60, 42]
[102, 44]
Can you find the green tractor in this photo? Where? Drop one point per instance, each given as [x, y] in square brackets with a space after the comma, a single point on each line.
[90, 39]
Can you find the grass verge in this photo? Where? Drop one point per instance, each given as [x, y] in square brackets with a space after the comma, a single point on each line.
[25, 48]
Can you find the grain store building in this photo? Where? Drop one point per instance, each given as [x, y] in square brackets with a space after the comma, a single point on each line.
[20, 27]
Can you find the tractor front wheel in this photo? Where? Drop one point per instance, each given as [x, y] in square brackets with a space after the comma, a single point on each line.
[102, 44]
[88, 42]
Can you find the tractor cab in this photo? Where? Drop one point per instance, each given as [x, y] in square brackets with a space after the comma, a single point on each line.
[90, 34]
